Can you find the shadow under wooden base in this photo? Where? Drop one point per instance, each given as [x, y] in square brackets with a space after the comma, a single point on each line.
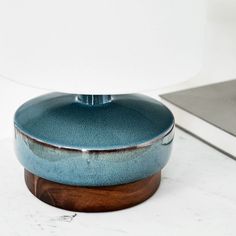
[92, 199]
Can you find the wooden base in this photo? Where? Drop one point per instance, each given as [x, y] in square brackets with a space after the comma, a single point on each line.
[92, 199]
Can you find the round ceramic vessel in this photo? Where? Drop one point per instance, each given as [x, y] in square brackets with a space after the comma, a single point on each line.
[72, 140]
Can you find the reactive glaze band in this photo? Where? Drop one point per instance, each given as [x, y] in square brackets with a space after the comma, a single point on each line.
[100, 168]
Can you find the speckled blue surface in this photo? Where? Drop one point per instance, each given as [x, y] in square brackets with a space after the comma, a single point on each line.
[113, 130]
[59, 119]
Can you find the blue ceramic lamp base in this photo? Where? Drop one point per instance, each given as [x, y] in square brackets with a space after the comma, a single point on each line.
[85, 145]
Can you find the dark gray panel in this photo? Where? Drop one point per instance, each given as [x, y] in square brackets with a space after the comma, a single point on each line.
[215, 103]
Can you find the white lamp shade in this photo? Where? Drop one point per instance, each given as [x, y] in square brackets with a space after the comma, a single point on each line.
[101, 46]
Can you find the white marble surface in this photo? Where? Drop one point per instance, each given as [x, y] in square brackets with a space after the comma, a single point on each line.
[197, 196]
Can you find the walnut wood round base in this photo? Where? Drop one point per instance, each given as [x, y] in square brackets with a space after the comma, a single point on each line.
[92, 199]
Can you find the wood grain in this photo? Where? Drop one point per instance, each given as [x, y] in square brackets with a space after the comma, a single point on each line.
[92, 199]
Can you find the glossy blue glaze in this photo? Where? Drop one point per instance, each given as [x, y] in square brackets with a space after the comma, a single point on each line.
[61, 120]
[63, 140]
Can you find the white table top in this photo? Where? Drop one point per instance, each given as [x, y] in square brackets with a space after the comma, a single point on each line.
[197, 196]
